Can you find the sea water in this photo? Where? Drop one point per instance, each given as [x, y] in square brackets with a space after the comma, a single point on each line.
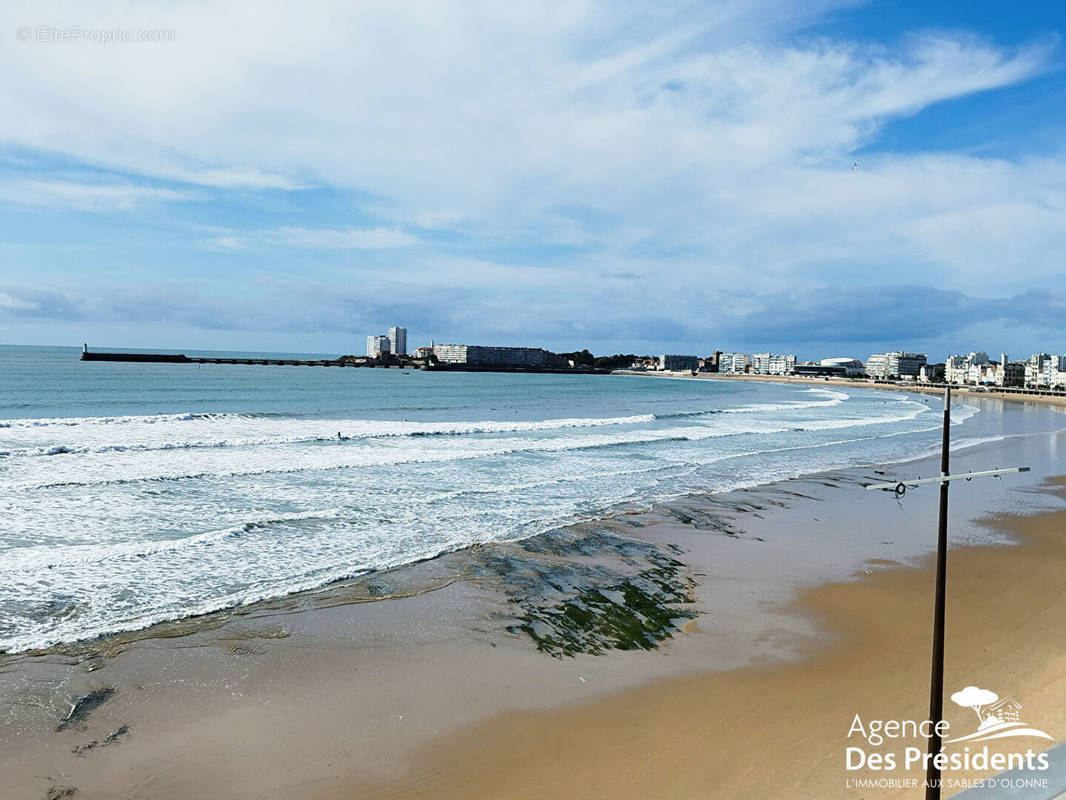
[134, 493]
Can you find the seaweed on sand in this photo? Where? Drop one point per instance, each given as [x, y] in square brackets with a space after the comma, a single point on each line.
[590, 590]
[633, 614]
[82, 706]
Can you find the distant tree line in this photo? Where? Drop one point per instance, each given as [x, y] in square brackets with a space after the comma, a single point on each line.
[583, 358]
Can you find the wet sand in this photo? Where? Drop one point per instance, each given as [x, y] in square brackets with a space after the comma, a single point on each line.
[428, 680]
[782, 731]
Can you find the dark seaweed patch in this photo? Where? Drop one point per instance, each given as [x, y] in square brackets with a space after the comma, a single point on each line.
[585, 589]
[116, 734]
[81, 707]
[633, 614]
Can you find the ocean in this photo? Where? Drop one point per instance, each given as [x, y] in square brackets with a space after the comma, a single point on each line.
[137, 493]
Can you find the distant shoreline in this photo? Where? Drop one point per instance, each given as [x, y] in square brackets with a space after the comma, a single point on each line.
[961, 391]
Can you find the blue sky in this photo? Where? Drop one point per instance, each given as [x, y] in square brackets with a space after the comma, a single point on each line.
[618, 176]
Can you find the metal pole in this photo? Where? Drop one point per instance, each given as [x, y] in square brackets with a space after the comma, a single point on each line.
[936, 684]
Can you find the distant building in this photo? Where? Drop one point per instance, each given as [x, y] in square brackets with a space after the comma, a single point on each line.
[811, 370]
[398, 340]
[1054, 376]
[965, 369]
[1034, 369]
[451, 353]
[977, 369]
[645, 363]
[1011, 373]
[423, 352]
[711, 363]
[734, 363]
[376, 345]
[851, 366]
[962, 369]
[896, 364]
[830, 367]
[1006, 372]
[494, 356]
[771, 364]
[1045, 371]
[931, 373]
[673, 363]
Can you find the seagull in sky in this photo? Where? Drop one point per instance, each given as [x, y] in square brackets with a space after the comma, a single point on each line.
[853, 165]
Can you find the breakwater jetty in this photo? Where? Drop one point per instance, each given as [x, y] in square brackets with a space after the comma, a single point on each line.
[180, 358]
[340, 361]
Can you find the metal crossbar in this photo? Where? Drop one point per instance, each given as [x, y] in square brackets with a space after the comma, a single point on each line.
[907, 484]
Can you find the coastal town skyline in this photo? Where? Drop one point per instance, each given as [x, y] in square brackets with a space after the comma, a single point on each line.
[1041, 370]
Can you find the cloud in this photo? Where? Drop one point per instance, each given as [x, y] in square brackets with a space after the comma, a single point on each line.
[87, 196]
[227, 178]
[589, 169]
[15, 304]
[476, 109]
[318, 238]
[346, 238]
[440, 308]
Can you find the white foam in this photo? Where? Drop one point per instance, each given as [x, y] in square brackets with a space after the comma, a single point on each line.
[133, 520]
[36, 437]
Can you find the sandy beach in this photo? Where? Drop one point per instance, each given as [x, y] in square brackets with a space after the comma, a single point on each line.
[772, 616]
[781, 731]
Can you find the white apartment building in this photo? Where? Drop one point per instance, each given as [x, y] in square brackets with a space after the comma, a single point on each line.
[896, 364]
[733, 363]
[1055, 372]
[965, 369]
[376, 345]
[772, 364]
[977, 369]
[1034, 369]
[450, 353]
[1045, 371]
[494, 356]
[398, 340]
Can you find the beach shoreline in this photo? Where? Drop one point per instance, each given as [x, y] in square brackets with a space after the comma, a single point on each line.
[961, 392]
[667, 739]
[328, 695]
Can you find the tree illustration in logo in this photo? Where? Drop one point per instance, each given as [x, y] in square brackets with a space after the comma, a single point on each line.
[978, 700]
[999, 716]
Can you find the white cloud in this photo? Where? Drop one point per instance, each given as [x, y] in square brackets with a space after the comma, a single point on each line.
[225, 178]
[701, 130]
[345, 238]
[318, 238]
[15, 304]
[86, 196]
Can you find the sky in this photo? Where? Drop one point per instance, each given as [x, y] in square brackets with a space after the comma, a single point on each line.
[827, 178]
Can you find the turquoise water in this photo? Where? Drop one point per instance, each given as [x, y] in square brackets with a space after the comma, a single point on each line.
[134, 493]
